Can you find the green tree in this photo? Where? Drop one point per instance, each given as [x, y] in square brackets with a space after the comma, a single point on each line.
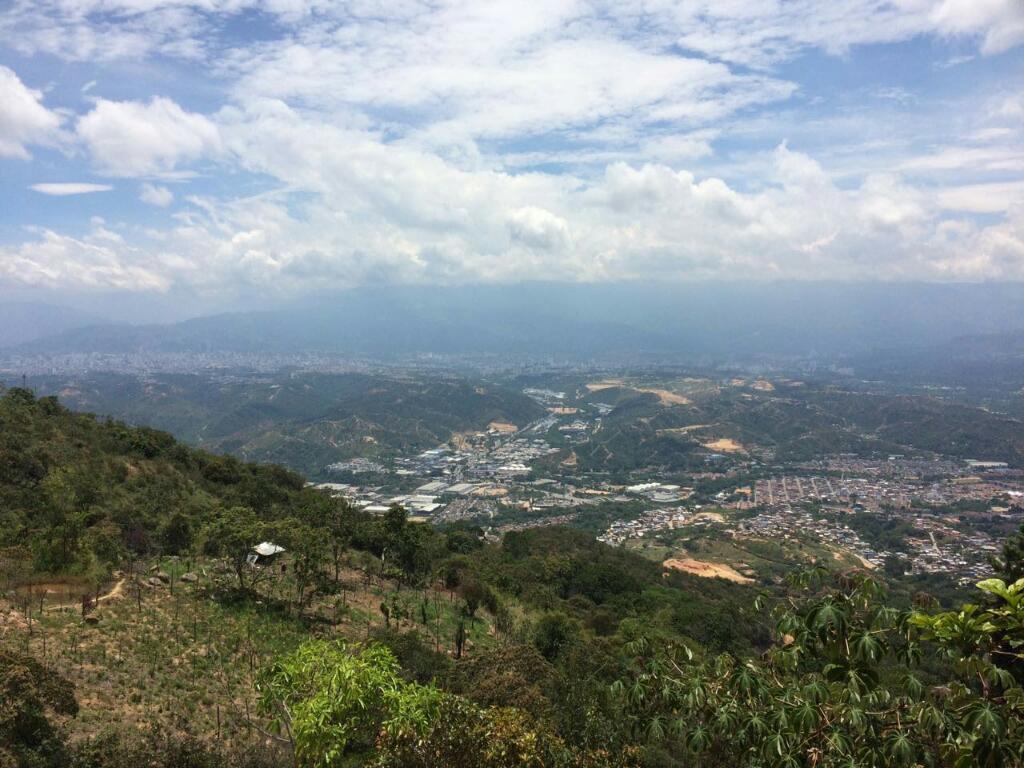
[176, 534]
[232, 534]
[843, 689]
[30, 695]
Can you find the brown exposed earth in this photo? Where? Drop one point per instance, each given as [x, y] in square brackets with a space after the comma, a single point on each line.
[665, 396]
[725, 445]
[707, 570]
[502, 426]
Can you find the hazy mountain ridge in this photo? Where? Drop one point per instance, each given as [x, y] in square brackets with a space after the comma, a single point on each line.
[26, 322]
[715, 321]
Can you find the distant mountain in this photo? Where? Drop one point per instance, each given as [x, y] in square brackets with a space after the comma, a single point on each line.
[707, 321]
[24, 322]
[302, 421]
[993, 361]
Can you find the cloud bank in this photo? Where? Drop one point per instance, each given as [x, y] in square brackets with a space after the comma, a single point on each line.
[360, 143]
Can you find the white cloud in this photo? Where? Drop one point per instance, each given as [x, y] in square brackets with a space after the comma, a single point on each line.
[136, 139]
[999, 23]
[992, 197]
[23, 118]
[394, 138]
[61, 189]
[353, 210]
[155, 195]
[100, 260]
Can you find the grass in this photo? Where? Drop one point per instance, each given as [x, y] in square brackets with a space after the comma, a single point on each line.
[768, 559]
[179, 656]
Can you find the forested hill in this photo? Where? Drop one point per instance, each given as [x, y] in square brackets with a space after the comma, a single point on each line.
[84, 490]
[382, 643]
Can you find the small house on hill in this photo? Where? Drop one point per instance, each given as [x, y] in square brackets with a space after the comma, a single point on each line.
[264, 553]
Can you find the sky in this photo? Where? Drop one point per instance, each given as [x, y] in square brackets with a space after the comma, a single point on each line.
[235, 152]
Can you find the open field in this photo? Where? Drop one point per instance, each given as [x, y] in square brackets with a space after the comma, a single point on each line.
[724, 445]
[682, 430]
[503, 427]
[665, 396]
[185, 654]
[707, 570]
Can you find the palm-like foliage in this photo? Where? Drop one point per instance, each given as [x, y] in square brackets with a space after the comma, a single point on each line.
[842, 687]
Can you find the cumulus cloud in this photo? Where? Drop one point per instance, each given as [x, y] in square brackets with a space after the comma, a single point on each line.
[456, 142]
[24, 119]
[354, 210]
[133, 139]
[100, 260]
[999, 23]
[62, 189]
[156, 195]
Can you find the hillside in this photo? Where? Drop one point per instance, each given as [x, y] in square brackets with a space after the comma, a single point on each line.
[134, 632]
[304, 421]
[792, 421]
[712, 321]
[159, 532]
[27, 322]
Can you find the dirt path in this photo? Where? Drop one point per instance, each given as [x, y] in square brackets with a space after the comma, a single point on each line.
[113, 593]
[116, 591]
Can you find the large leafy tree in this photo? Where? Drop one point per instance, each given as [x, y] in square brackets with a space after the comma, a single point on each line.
[30, 696]
[350, 706]
[232, 534]
[842, 688]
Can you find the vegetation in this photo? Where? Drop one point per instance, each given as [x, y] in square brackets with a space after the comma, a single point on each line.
[376, 641]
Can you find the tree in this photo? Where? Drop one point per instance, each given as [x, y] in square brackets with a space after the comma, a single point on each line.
[349, 706]
[339, 529]
[308, 547]
[29, 695]
[553, 634]
[1011, 564]
[329, 701]
[232, 534]
[842, 688]
[176, 534]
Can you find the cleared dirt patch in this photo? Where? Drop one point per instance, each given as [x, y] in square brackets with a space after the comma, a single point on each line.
[716, 517]
[667, 397]
[725, 445]
[503, 426]
[707, 570]
[682, 430]
[763, 385]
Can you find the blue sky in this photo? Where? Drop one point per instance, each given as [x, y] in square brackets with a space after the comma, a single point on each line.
[238, 152]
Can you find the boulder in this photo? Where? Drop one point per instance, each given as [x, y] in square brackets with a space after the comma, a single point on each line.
[164, 577]
[153, 581]
[188, 577]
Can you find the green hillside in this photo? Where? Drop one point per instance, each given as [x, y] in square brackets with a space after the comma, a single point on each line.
[375, 641]
[303, 421]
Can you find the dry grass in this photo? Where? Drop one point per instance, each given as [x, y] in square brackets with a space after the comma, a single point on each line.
[707, 570]
[724, 445]
[665, 396]
[503, 427]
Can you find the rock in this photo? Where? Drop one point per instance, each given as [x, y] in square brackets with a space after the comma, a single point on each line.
[188, 577]
[92, 618]
[153, 581]
[164, 577]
